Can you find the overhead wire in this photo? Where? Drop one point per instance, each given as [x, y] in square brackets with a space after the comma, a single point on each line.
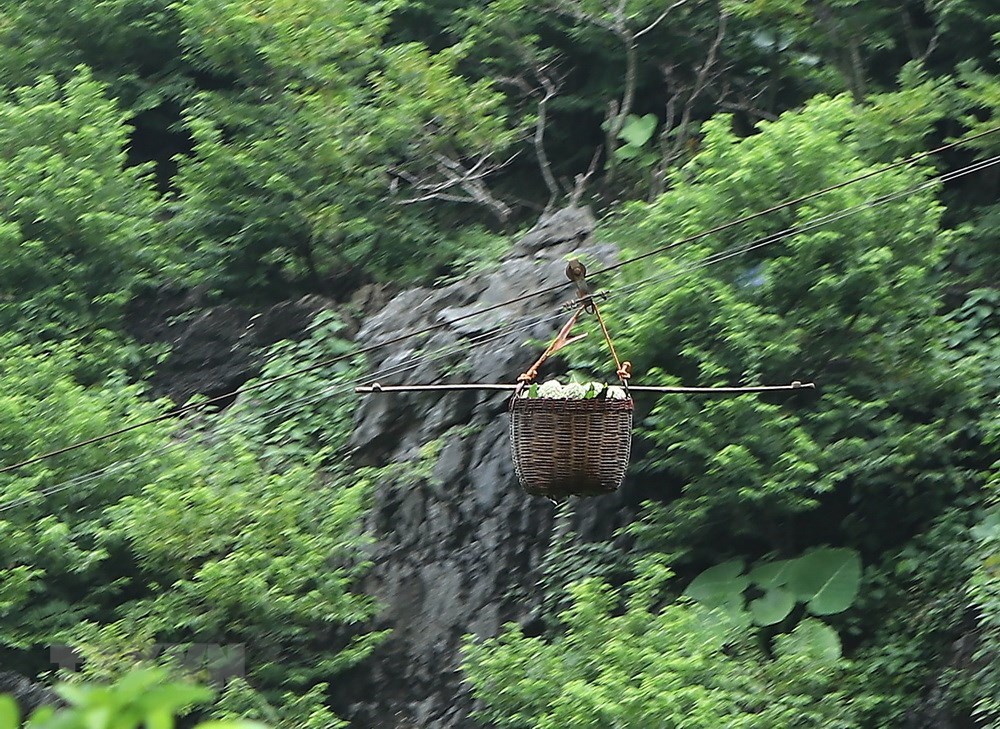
[504, 330]
[815, 223]
[540, 292]
[797, 201]
[479, 340]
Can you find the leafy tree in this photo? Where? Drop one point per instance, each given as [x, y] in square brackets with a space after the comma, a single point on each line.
[324, 142]
[618, 87]
[78, 226]
[849, 303]
[305, 418]
[130, 45]
[891, 448]
[624, 659]
[172, 538]
[318, 159]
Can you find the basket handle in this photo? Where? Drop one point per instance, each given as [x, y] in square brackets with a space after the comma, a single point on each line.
[562, 338]
[623, 369]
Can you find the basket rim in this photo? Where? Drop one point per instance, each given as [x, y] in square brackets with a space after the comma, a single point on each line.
[555, 403]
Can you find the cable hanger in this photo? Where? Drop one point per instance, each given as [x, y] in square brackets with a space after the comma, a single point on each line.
[576, 272]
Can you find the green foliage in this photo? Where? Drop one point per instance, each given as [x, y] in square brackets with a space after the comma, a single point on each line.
[624, 659]
[720, 586]
[984, 597]
[190, 542]
[909, 626]
[131, 45]
[984, 592]
[825, 580]
[849, 304]
[78, 227]
[636, 135]
[570, 559]
[306, 711]
[305, 418]
[892, 447]
[322, 143]
[292, 176]
[144, 698]
[9, 714]
[810, 639]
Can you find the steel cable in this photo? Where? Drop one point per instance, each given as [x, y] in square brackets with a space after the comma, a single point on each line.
[551, 289]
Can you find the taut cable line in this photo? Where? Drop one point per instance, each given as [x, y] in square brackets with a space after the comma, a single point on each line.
[503, 330]
[375, 387]
[805, 198]
[414, 362]
[541, 292]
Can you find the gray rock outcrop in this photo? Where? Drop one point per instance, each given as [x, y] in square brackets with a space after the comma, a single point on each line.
[28, 694]
[459, 553]
[216, 347]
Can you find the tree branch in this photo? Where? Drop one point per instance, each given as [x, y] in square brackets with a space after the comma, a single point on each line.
[456, 176]
[581, 180]
[670, 152]
[659, 19]
[551, 89]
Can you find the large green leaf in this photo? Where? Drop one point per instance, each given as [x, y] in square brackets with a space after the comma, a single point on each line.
[638, 129]
[720, 586]
[772, 607]
[768, 575]
[826, 579]
[8, 713]
[811, 638]
[628, 152]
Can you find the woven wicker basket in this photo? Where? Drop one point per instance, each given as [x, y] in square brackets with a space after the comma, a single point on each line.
[570, 447]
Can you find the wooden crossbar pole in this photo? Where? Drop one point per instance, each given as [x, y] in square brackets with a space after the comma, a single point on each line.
[377, 388]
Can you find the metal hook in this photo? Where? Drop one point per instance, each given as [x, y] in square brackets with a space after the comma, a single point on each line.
[577, 273]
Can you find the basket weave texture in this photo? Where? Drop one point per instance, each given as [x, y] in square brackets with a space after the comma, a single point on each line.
[570, 447]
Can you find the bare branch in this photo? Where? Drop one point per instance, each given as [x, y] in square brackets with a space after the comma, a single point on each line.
[615, 20]
[659, 19]
[518, 82]
[619, 15]
[551, 89]
[851, 65]
[582, 180]
[672, 151]
[713, 54]
[748, 109]
[618, 111]
[575, 10]
[454, 176]
[433, 196]
[931, 45]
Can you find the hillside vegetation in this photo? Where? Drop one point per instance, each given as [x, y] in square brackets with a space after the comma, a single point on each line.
[822, 560]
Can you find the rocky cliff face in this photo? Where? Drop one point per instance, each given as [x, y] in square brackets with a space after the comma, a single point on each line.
[216, 347]
[459, 553]
[28, 694]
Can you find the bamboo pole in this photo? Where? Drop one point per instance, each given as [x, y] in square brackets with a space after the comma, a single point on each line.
[377, 388]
